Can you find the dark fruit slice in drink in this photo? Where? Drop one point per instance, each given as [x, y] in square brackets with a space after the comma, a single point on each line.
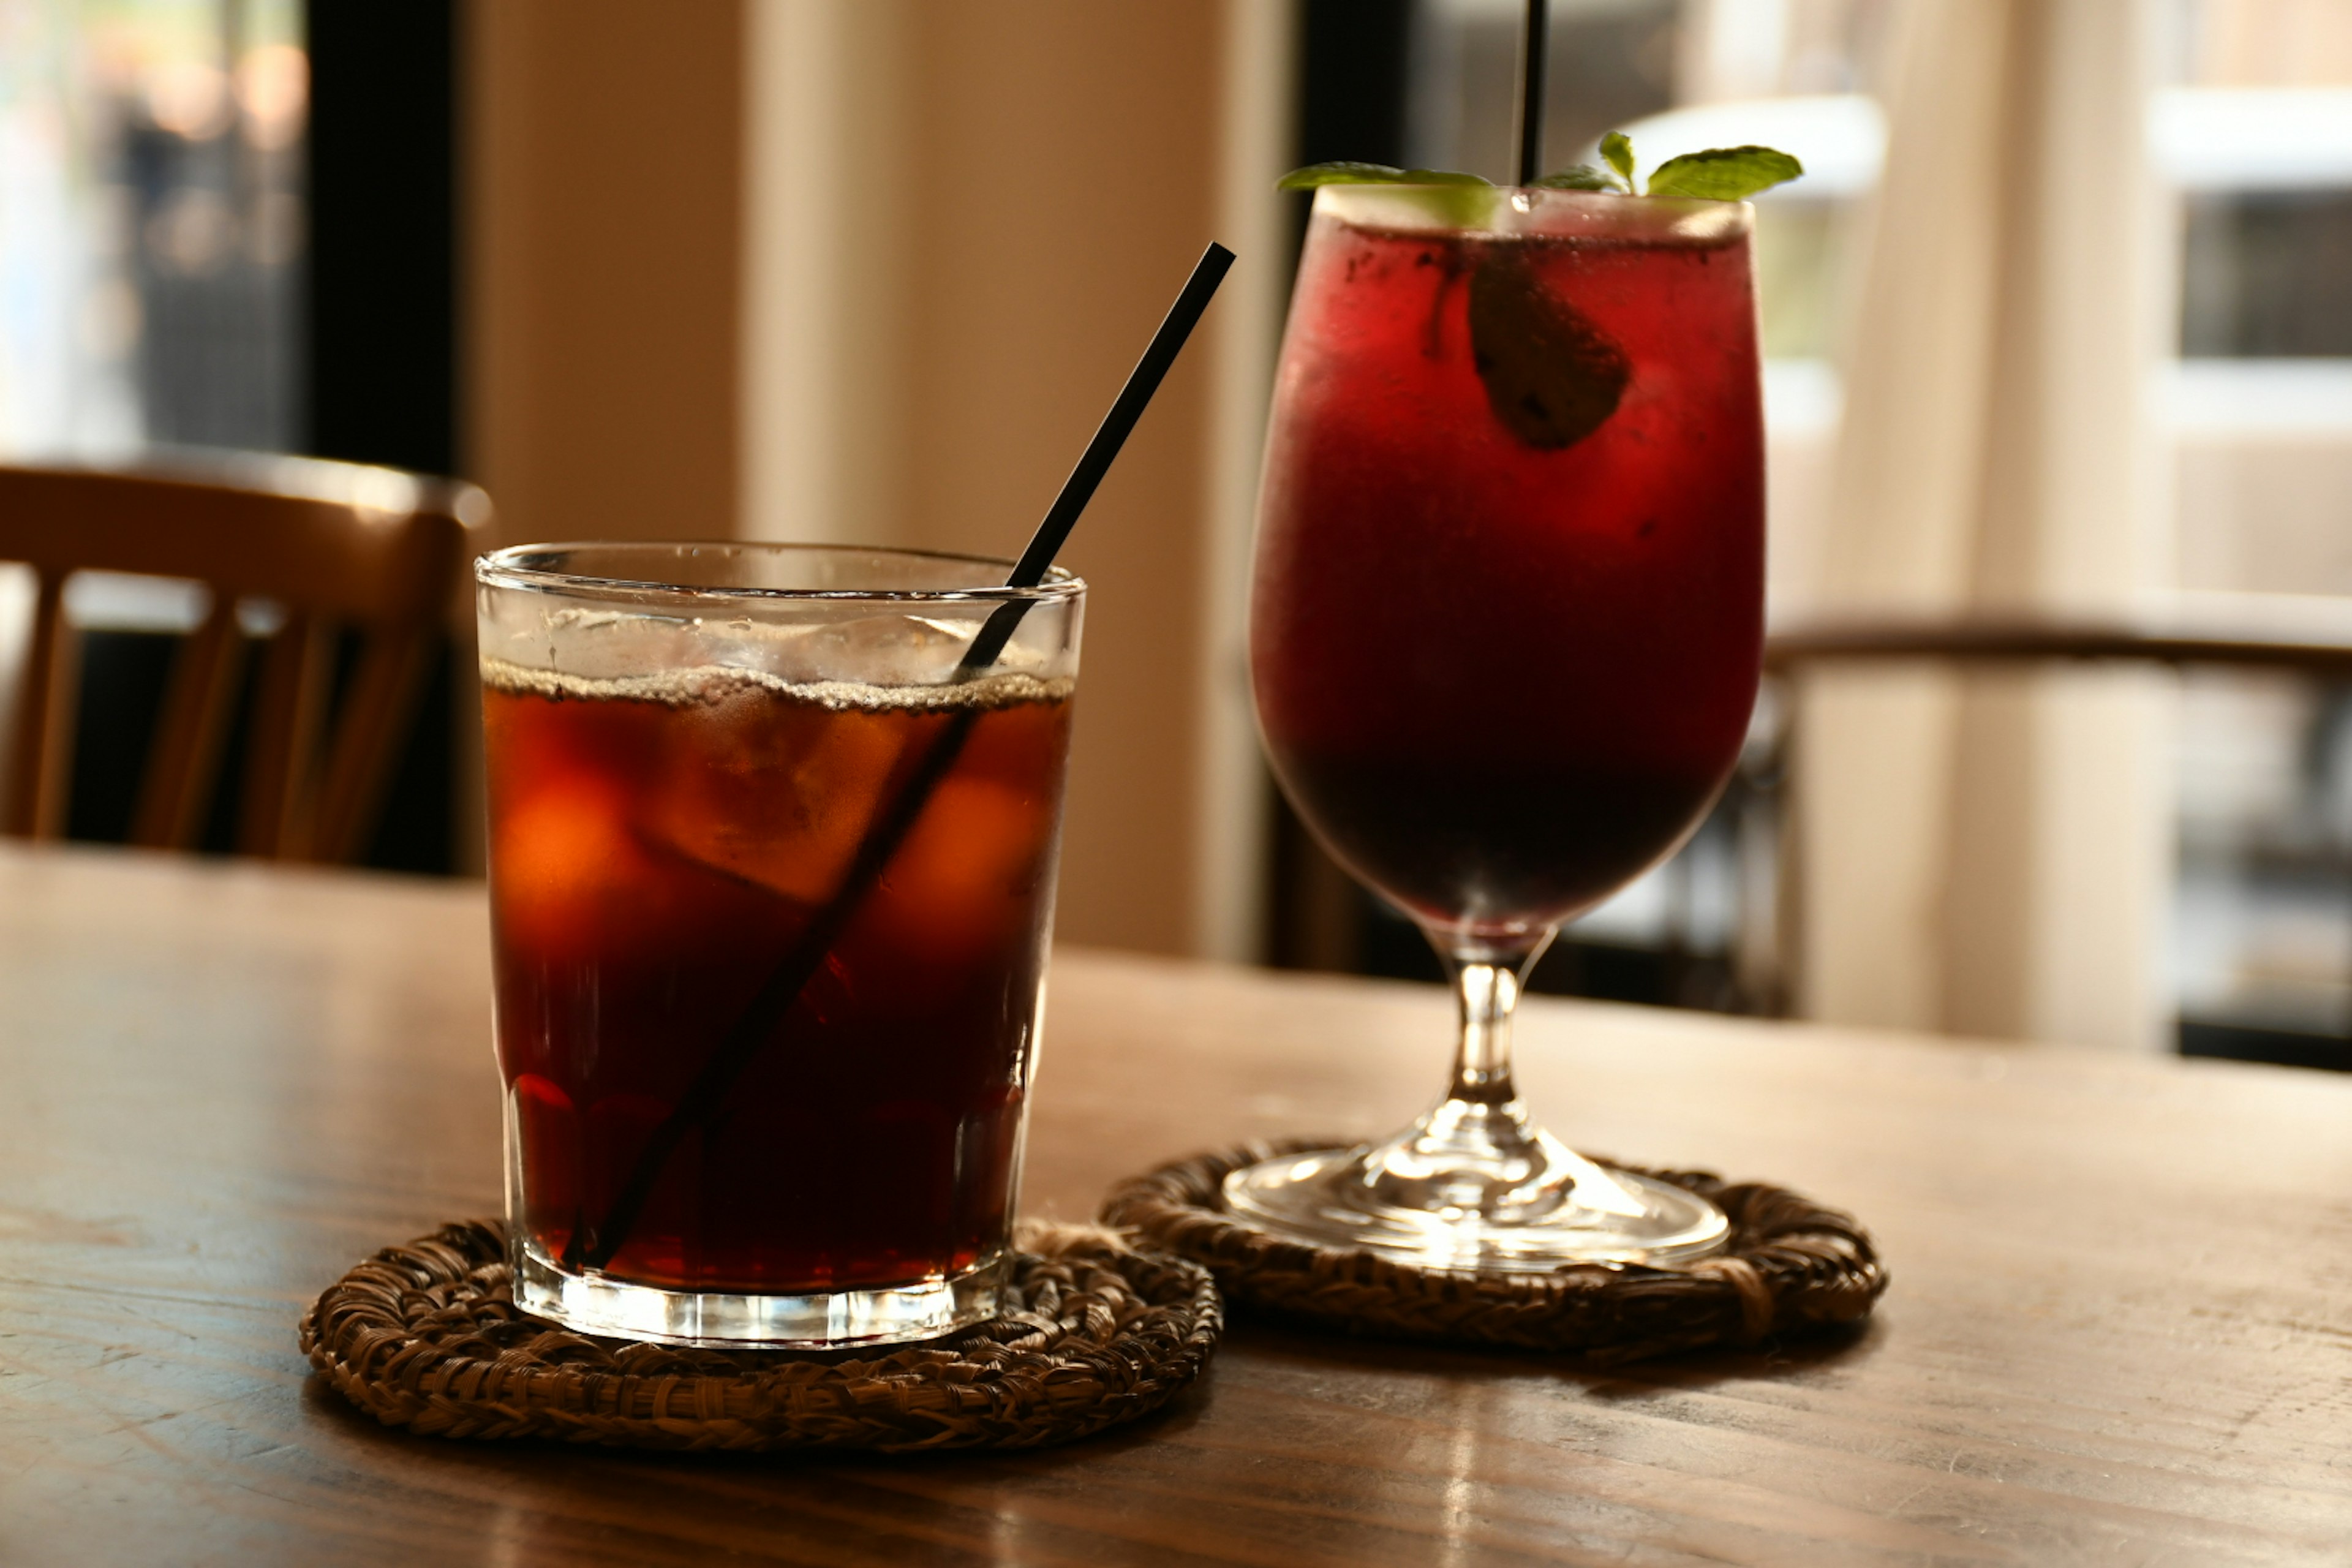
[1550, 374]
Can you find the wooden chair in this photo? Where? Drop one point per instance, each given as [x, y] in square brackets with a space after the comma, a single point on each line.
[332, 546]
[2308, 635]
[2311, 636]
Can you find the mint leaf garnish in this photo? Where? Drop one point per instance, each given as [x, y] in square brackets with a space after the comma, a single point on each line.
[1551, 376]
[1617, 151]
[1717, 174]
[1344, 173]
[1724, 174]
[1580, 177]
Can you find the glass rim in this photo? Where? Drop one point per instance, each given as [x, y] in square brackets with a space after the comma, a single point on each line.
[1517, 212]
[516, 567]
[1572, 192]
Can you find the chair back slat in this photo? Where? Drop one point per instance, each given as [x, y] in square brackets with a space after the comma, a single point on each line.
[330, 545]
[184, 762]
[42, 748]
[289, 704]
[359, 758]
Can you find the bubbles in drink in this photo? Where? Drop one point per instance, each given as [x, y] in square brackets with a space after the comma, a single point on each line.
[885, 660]
[707, 684]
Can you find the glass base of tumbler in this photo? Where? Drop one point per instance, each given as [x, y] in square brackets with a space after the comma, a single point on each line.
[1529, 1209]
[594, 1304]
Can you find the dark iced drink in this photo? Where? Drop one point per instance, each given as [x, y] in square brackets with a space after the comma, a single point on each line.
[659, 843]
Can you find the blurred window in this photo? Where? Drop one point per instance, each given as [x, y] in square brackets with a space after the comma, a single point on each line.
[151, 223]
[2254, 131]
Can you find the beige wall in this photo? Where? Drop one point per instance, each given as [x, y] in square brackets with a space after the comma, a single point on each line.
[603, 159]
[1042, 264]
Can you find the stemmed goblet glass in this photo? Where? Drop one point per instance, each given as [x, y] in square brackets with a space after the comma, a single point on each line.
[1505, 636]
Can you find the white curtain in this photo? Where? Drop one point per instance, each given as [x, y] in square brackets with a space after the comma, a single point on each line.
[1989, 855]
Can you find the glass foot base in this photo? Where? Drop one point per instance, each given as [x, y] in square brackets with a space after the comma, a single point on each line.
[1335, 1198]
[593, 1304]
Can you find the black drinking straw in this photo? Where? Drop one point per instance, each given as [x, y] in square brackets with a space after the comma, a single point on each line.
[1531, 91]
[792, 974]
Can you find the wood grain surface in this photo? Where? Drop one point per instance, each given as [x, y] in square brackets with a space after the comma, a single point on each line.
[2120, 1329]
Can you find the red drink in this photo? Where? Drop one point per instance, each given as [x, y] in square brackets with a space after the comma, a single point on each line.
[1504, 634]
[1507, 615]
[657, 843]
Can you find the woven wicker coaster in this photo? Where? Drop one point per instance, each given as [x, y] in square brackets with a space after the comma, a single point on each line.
[1791, 1265]
[426, 1336]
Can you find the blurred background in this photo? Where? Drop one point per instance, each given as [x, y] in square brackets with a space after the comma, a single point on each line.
[2061, 317]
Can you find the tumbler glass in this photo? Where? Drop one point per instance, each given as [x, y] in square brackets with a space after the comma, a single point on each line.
[772, 879]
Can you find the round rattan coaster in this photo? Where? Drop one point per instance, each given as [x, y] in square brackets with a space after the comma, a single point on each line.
[1791, 1265]
[426, 1336]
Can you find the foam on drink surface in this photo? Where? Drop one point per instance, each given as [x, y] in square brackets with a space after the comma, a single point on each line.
[710, 685]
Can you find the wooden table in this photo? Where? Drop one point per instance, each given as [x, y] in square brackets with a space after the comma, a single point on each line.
[2120, 1329]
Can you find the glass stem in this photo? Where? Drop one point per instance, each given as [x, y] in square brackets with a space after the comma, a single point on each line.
[1476, 1151]
[1487, 985]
